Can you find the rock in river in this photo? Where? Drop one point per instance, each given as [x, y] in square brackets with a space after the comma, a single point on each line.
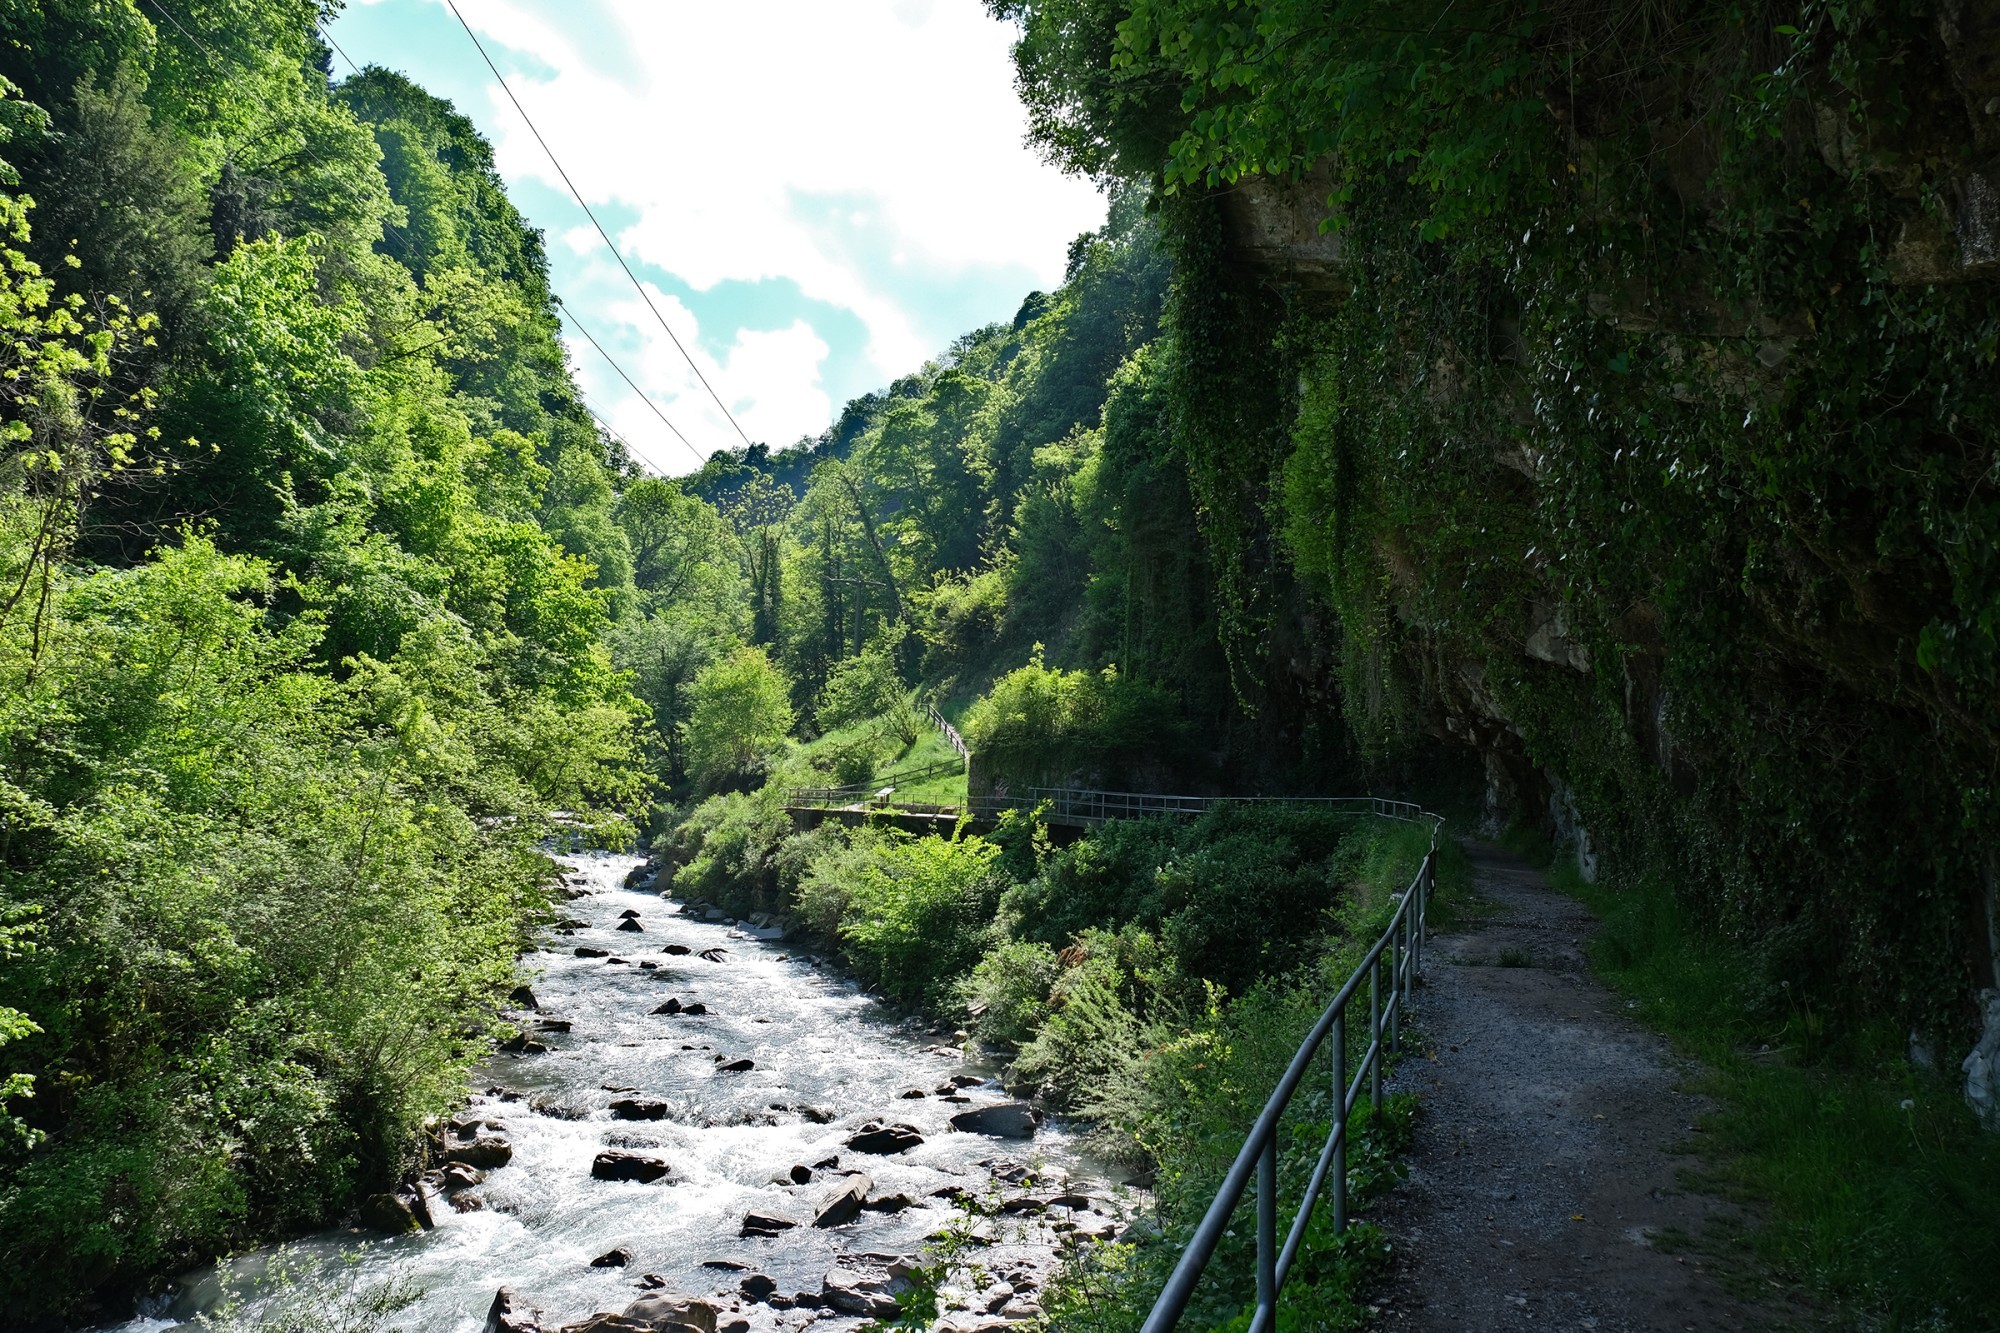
[676, 949]
[509, 1313]
[1008, 1120]
[639, 1108]
[670, 1005]
[631, 923]
[617, 1258]
[764, 1224]
[885, 1141]
[484, 1152]
[615, 1165]
[844, 1205]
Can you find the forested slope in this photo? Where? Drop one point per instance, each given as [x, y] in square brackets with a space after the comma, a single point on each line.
[307, 563]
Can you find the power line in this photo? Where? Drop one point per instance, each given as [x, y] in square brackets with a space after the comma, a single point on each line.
[613, 363]
[579, 327]
[604, 235]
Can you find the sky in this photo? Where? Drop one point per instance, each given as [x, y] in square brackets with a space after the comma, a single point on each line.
[818, 196]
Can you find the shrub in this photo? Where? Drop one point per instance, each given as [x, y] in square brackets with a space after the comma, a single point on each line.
[1043, 726]
[1009, 990]
[730, 843]
[740, 711]
[858, 688]
[919, 912]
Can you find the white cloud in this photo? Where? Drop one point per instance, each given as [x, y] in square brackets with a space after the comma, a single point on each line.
[786, 139]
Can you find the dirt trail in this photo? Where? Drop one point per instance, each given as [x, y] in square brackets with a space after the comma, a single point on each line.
[1544, 1156]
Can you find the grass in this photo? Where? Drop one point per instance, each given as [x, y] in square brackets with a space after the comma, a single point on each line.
[1872, 1187]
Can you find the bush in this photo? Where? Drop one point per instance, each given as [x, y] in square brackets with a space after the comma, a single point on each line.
[858, 688]
[1008, 992]
[919, 912]
[730, 844]
[1044, 727]
[740, 711]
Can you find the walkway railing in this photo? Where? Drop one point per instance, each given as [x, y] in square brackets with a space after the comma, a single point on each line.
[861, 792]
[1396, 958]
[1081, 805]
[950, 733]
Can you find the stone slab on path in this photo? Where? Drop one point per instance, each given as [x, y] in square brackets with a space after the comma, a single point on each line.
[1549, 1140]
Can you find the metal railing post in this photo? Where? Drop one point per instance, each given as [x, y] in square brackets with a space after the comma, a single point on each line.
[1375, 1032]
[1267, 1232]
[1340, 1122]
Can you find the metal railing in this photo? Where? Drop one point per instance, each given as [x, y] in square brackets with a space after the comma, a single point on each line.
[863, 792]
[1082, 805]
[950, 733]
[1396, 955]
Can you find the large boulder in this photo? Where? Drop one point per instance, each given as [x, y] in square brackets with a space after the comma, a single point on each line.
[615, 1165]
[510, 1314]
[639, 1108]
[861, 1293]
[485, 1152]
[389, 1212]
[1005, 1120]
[666, 1310]
[885, 1140]
[844, 1204]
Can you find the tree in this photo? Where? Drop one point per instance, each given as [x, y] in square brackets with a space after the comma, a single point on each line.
[741, 711]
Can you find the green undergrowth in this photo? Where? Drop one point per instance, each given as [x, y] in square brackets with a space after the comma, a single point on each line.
[1871, 1186]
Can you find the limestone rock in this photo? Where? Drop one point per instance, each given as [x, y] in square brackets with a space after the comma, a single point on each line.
[844, 1204]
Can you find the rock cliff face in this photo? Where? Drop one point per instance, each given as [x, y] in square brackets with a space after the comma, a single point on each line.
[1739, 655]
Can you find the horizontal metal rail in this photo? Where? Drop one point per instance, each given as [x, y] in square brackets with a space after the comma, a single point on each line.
[1081, 805]
[865, 791]
[1397, 957]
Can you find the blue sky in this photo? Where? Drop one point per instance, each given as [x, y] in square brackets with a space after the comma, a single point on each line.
[819, 195]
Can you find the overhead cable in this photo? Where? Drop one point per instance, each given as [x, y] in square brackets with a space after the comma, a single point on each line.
[604, 235]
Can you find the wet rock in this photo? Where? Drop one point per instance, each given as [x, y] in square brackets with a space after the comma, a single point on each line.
[715, 955]
[509, 1313]
[639, 1108]
[651, 1282]
[742, 1066]
[758, 1286]
[607, 1323]
[764, 1224]
[676, 949]
[485, 1152]
[667, 1311]
[631, 924]
[890, 1203]
[801, 1174]
[966, 1080]
[648, 965]
[726, 1265]
[617, 1258]
[844, 1204]
[521, 997]
[911, 1094]
[554, 1025]
[629, 914]
[670, 1005]
[885, 1141]
[827, 1163]
[1027, 1203]
[522, 1044]
[585, 951]
[615, 1165]
[694, 1010]
[457, 1176]
[465, 1201]
[1007, 1120]
[391, 1213]
[860, 1293]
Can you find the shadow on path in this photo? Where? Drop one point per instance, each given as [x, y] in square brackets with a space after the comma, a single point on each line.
[1545, 1159]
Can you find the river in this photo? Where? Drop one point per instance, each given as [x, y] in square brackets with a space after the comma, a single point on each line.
[826, 1059]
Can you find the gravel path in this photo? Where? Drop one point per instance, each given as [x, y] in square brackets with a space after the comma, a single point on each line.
[1545, 1158]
